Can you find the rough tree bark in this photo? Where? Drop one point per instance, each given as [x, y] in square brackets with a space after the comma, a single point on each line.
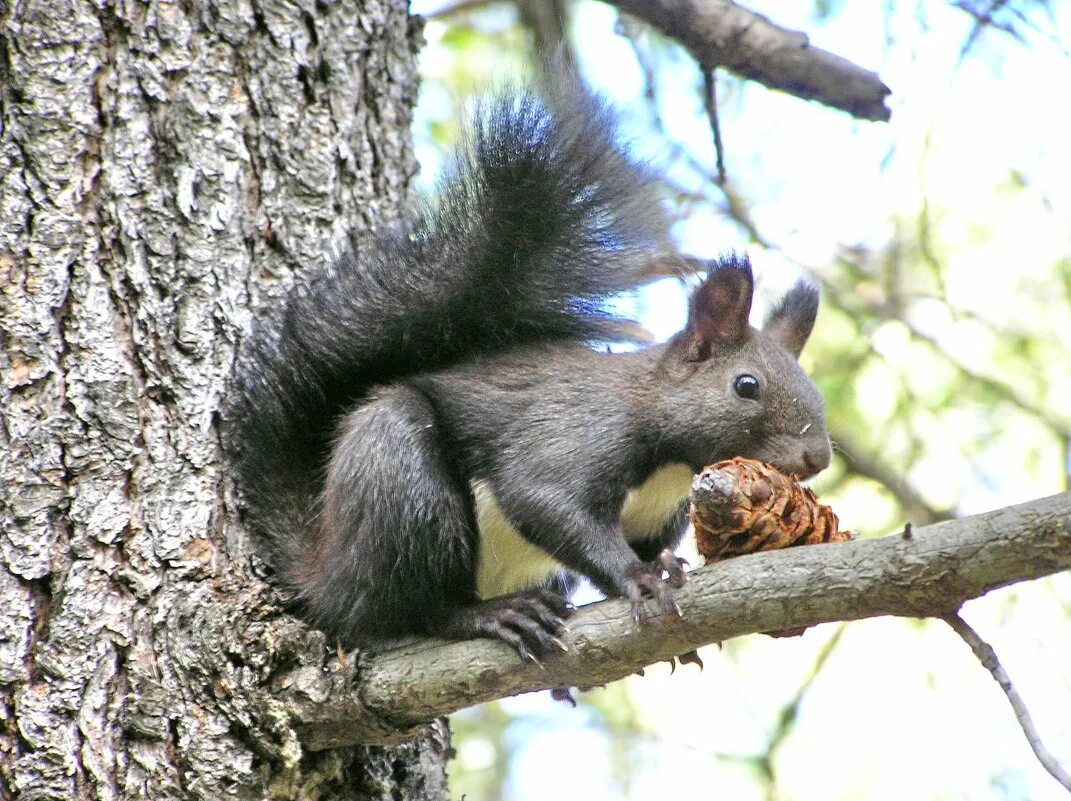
[162, 165]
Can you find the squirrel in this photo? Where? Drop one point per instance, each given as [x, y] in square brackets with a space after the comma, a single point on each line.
[426, 436]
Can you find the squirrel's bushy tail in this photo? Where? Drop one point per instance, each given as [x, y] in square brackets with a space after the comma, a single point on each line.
[541, 217]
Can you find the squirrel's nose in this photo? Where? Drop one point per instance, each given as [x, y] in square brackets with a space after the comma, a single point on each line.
[814, 458]
[817, 458]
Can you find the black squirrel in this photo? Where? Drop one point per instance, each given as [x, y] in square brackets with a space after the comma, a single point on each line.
[430, 444]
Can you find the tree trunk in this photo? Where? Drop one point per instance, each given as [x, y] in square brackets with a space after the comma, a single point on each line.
[163, 168]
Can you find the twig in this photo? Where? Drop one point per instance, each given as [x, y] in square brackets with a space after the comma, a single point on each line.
[850, 305]
[988, 657]
[861, 463]
[982, 20]
[710, 99]
[790, 712]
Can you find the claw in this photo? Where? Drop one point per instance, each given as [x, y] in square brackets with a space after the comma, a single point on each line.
[638, 617]
[438, 732]
[563, 694]
[691, 658]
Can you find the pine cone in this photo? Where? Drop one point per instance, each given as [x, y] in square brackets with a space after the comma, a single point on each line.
[741, 506]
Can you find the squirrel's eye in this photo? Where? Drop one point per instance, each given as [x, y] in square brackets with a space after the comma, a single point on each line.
[746, 386]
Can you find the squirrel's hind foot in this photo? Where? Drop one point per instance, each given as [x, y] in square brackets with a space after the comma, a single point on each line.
[528, 622]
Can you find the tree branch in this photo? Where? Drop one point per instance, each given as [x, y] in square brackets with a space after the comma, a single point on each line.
[719, 33]
[988, 657]
[388, 697]
[861, 463]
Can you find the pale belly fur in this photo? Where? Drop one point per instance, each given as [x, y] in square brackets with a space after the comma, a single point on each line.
[508, 562]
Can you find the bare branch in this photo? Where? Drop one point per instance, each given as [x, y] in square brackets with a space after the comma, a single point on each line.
[988, 657]
[861, 463]
[985, 18]
[1053, 419]
[719, 33]
[710, 99]
[929, 573]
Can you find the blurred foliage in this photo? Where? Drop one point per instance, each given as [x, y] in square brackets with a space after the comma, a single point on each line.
[941, 242]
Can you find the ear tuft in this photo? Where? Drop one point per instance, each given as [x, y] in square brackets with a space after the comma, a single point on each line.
[790, 323]
[720, 306]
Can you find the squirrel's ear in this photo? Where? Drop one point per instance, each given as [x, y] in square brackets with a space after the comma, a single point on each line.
[790, 323]
[719, 307]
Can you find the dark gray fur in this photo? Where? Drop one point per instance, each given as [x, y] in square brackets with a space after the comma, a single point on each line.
[452, 349]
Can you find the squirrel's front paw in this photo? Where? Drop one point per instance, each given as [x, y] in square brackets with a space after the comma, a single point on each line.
[674, 567]
[645, 581]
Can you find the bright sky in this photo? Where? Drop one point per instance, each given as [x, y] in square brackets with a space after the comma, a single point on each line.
[900, 711]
